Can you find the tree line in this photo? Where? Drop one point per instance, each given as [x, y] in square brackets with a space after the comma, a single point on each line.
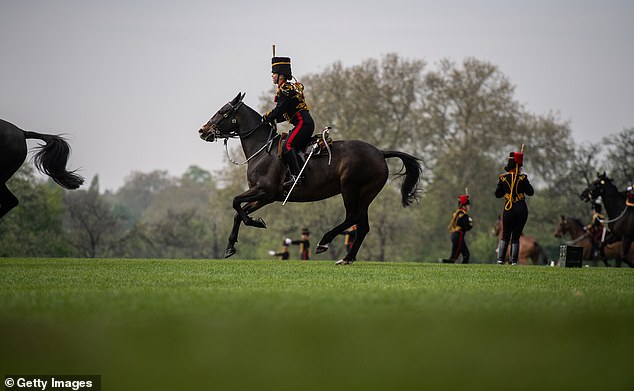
[461, 120]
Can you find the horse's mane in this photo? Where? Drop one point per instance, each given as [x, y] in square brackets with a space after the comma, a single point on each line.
[576, 220]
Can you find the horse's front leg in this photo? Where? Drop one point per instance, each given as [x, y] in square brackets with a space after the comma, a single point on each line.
[255, 198]
[233, 236]
[242, 215]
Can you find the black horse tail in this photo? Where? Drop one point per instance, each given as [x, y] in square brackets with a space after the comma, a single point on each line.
[51, 159]
[413, 170]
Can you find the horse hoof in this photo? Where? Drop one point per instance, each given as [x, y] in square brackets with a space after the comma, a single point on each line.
[229, 252]
[257, 223]
[342, 262]
[321, 248]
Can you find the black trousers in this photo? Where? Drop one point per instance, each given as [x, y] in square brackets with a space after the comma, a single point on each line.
[459, 246]
[513, 222]
[300, 135]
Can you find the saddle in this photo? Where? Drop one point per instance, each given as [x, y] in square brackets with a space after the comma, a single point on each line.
[322, 146]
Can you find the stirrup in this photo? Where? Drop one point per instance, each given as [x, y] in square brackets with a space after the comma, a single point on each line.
[288, 183]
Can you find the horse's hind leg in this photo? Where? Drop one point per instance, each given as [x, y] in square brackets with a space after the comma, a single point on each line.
[7, 200]
[363, 227]
[322, 246]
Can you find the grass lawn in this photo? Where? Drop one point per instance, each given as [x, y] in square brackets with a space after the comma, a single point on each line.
[280, 325]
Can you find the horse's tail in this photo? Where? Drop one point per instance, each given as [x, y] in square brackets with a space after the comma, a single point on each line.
[409, 188]
[51, 159]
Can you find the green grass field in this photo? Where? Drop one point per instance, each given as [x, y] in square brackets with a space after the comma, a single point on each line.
[274, 325]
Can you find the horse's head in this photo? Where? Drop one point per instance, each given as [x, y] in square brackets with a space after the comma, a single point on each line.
[596, 188]
[223, 124]
[562, 228]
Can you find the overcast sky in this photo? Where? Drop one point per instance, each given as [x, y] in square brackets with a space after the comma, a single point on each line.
[131, 81]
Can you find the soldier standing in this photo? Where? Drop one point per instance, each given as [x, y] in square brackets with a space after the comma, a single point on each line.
[304, 245]
[460, 223]
[283, 254]
[514, 187]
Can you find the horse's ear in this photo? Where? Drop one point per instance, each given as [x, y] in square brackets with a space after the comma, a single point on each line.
[237, 99]
[242, 97]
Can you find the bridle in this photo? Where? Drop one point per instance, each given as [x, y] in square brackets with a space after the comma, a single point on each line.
[216, 127]
[591, 196]
[232, 132]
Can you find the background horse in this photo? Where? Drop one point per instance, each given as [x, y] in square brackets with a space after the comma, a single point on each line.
[530, 250]
[620, 217]
[50, 159]
[574, 228]
[358, 171]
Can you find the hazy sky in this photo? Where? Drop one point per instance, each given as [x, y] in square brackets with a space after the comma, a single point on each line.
[131, 81]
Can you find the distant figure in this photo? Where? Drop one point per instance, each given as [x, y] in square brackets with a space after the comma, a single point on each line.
[596, 227]
[304, 245]
[514, 187]
[629, 195]
[283, 254]
[460, 223]
[349, 236]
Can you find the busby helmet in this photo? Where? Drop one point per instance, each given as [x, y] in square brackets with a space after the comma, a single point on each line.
[305, 231]
[281, 66]
[515, 159]
[464, 200]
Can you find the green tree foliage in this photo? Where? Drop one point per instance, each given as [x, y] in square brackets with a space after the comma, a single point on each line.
[95, 228]
[35, 227]
[620, 157]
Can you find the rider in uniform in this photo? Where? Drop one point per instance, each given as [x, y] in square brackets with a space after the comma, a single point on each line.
[629, 195]
[460, 223]
[291, 106]
[514, 187]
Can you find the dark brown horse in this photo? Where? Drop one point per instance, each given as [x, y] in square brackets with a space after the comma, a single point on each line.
[358, 171]
[620, 216]
[530, 250]
[50, 159]
[573, 227]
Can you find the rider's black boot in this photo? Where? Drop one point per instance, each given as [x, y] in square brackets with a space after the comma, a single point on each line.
[292, 161]
[515, 253]
[502, 246]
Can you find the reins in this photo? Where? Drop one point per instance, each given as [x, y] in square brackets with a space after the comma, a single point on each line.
[269, 142]
[575, 241]
[616, 219]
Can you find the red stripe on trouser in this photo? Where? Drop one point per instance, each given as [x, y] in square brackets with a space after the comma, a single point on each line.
[459, 246]
[291, 137]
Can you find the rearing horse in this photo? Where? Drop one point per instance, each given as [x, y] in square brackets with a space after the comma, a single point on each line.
[50, 159]
[621, 216]
[358, 171]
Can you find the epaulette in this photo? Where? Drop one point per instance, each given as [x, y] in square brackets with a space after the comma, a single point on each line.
[287, 89]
